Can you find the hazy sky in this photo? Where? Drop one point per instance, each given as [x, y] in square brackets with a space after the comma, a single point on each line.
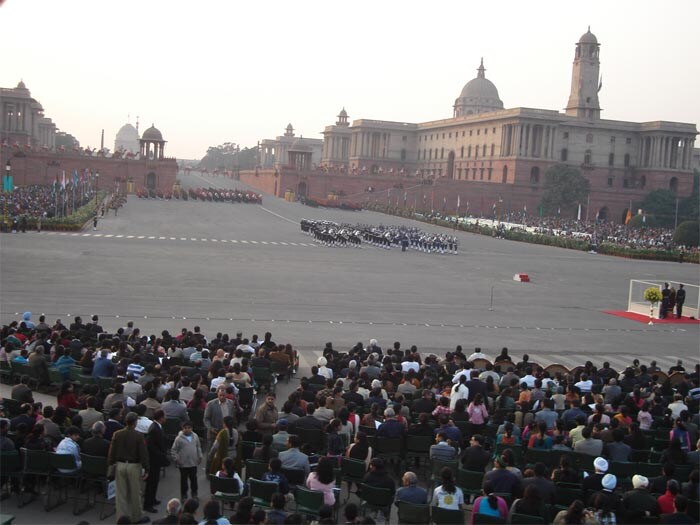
[209, 72]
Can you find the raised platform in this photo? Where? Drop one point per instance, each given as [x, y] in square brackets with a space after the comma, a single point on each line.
[645, 318]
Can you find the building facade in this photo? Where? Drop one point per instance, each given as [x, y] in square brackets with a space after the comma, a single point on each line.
[274, 153]
[23, 122]
[497, 151]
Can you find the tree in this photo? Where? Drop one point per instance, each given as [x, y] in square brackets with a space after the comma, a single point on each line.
[66, 140]
[661, 204]
[687, 234]
[643, 221]
[564, 189]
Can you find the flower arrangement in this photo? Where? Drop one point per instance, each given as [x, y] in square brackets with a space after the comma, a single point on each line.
[653, 295]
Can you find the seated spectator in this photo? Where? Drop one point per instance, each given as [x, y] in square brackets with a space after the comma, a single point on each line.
[545, 488]
[391, 428]
[540, 440]
[96, 445]
[212, 514]
[500, 479]
[377, 476]
[360, 449]
[531, 504]
[274, 473]
[265, 452]
[276, 515]
[679, 514]
[448, 495]
[475, 457]
[490, 505]
[442, 450]
[323, 479]
[565, 473]
[666, 500]
[639, 502]
[410, 492]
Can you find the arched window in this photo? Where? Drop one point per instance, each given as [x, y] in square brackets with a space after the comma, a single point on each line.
[483, 151]
[505, 175]
[469, 152]
[611, 159]
[535, 175]
[493, 149]
[673, 184]
[642, 181]
[587, 157]
[442, 153]
[589, 138]
[430, 156]
[627, 160]
[403, 154]
[462, 154]
[564, 154]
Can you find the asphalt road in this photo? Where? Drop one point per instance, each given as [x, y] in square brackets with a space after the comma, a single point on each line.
[229, 267]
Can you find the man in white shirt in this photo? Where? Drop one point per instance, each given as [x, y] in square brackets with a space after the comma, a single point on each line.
[677, 406]
[478, 354]
[410, 364]
[528, 378]
[585, 384]
[132, 388]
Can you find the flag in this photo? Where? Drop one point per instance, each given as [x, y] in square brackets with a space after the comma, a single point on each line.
[458, 202]
[63, 180]
[405, 196]
[628, 217]
[578, 217]
[525, 208]
[75, 177]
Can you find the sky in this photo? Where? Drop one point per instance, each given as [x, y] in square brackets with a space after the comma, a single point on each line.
[209, 72]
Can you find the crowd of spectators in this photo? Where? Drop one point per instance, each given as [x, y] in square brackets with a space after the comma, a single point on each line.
[40, 201]
[511, 434]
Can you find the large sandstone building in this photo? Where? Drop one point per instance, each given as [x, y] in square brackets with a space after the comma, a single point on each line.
[487, 156]
[28, 147]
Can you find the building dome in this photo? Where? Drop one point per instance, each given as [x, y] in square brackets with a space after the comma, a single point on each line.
[127, 139]
[128, 132]
[343, 113]
[299, 146]
[479, 95]
[152, 133]
[21, 85]
[588, 37]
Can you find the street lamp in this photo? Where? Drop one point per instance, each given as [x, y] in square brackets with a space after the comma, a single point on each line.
[7, 187]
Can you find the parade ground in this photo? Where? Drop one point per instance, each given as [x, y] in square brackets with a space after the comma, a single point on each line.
[247, 267]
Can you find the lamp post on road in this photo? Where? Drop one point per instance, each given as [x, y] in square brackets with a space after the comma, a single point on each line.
[7, 188]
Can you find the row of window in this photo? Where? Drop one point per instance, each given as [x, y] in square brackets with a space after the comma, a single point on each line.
[440, 153]
[424, 138]
[588, 158]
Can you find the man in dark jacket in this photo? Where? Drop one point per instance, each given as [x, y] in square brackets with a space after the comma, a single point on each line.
[475, 458]
[544, 486]
[157, 458]
[639, 502]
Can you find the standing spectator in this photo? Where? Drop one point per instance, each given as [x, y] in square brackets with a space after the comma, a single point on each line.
[267, 415]
[157, 458]
[215, 412]
[128, 452]
[187, 453]
[225, 445]
[478, 414]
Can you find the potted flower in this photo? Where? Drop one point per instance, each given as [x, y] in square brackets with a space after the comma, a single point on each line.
[653, 295]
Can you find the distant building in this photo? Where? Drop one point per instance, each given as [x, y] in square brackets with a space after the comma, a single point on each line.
[274, 153]
[127, 139]
[23, 121]
[28, 146]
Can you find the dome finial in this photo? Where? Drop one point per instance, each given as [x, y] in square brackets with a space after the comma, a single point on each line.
[482, 69]
[589, 28]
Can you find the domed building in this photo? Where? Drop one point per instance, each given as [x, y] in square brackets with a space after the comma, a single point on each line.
[127, 139]
[479, 95]
[22, 119]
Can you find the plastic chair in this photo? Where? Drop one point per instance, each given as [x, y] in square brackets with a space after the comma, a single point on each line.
[308, 502]
[93, 473]
[527, 519]
[447, 516]
[255, 469]
[35, 467]
[311, 436]
[295, 476]
[375, 498]
[413, 514]
[247, 449]
[11, 468]
[58, 462]
[263, 378]
[262, 491]
[484, 519]
[417, 448]
[470, 482]
[225, 490]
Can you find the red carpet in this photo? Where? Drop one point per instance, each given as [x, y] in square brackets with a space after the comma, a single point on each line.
[645, 318]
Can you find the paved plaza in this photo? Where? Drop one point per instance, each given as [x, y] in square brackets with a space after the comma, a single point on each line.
[230, 267]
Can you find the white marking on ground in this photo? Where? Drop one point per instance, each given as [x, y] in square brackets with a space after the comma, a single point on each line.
[278, 215]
